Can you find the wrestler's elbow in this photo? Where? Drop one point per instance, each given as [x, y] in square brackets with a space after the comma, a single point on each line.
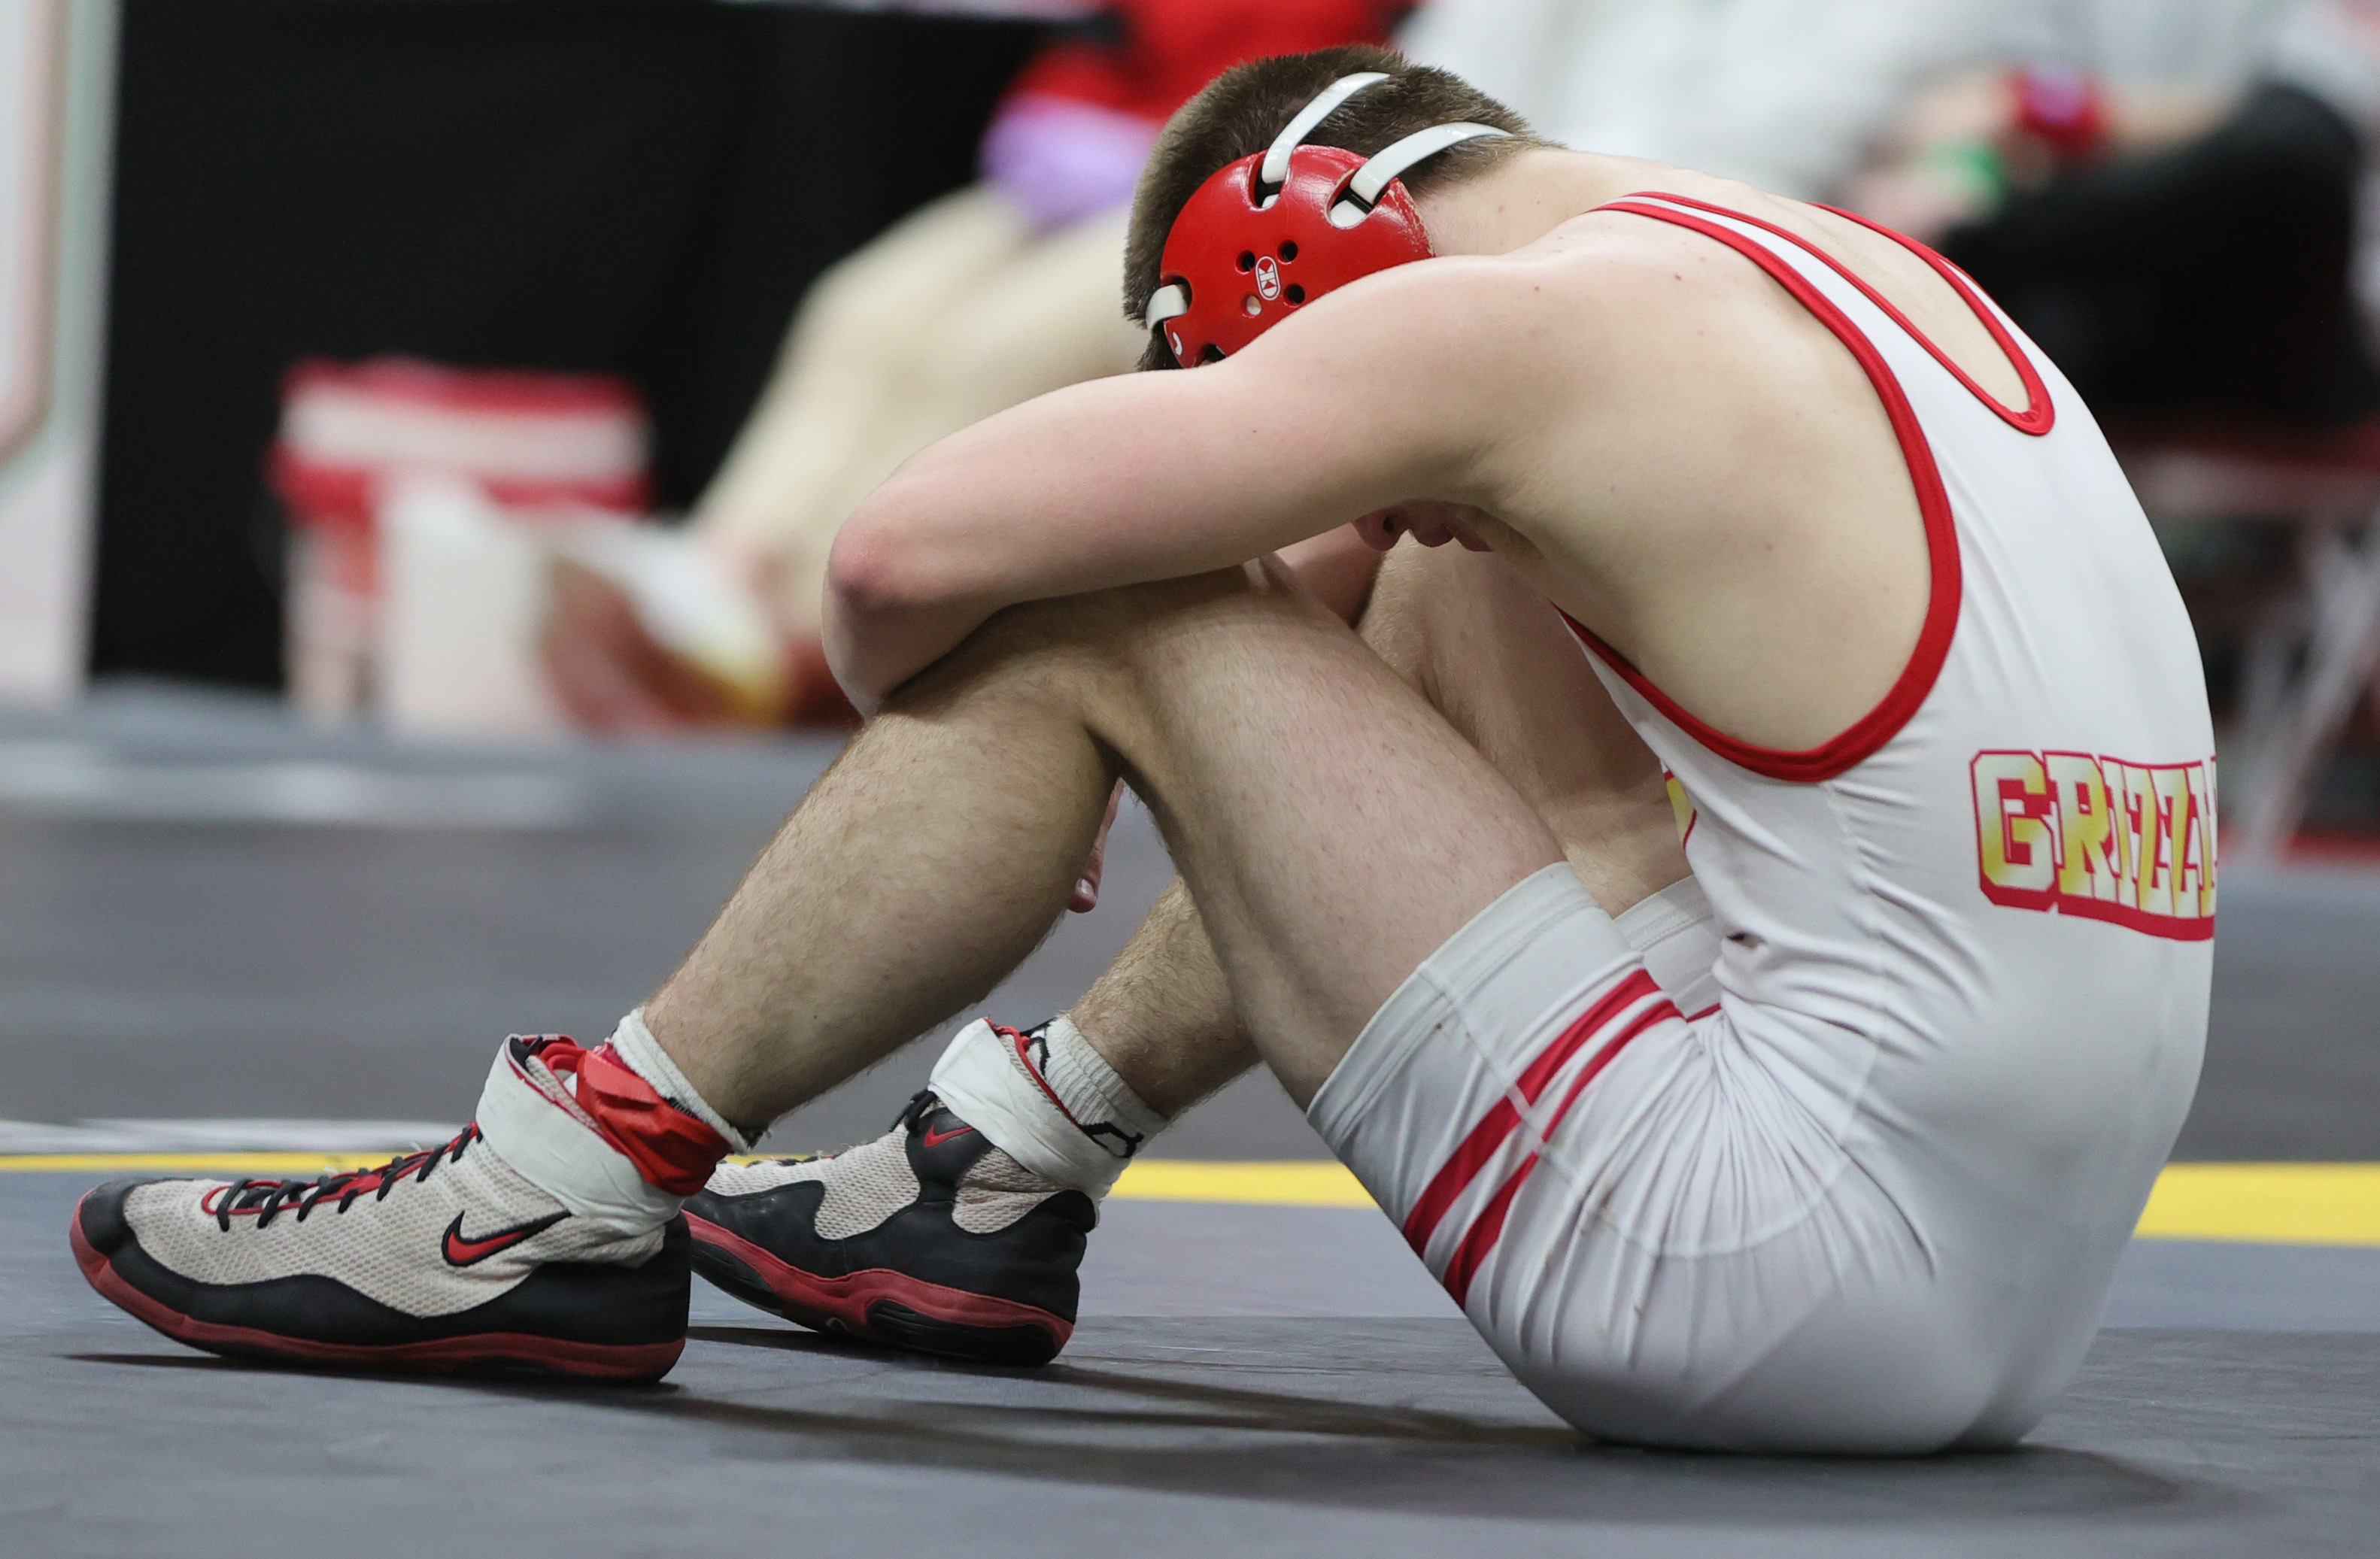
[894, 605]
[886, 561]
[866, 576]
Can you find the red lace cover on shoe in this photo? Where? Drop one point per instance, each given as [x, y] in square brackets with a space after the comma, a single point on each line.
[670, 1148]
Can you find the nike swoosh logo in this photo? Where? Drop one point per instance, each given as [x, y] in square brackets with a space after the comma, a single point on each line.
[934, 1138]
[460, 1251]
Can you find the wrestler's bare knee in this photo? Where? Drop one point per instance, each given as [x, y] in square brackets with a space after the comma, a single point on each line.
[1098, 650]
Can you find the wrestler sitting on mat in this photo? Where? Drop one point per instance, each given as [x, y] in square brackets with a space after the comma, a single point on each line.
[1830, 1145]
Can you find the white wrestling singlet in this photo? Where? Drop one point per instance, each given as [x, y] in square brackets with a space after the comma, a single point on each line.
[1874, 1200]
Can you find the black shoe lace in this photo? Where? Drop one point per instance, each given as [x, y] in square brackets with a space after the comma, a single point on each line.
[269, 1199]
[923, 1103]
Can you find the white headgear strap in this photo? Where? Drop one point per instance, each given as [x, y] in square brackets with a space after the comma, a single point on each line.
[1364, 189]
[1275, 168]
[1167, 302]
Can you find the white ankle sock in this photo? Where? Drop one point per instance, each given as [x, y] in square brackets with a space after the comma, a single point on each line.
[1048, 1099]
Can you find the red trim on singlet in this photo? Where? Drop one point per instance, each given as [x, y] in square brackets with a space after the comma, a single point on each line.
[1861, 739]
[2038, 416]
[1480, 1238]
[1478, 1148]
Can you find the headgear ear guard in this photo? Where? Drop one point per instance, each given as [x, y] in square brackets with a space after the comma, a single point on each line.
[1279, 229]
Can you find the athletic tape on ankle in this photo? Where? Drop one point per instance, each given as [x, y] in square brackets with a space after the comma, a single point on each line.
[635, 1043]
[1075, 1123]
[535, 1127]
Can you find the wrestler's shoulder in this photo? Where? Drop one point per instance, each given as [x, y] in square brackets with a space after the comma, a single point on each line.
[1560, 298]
[1602, 271]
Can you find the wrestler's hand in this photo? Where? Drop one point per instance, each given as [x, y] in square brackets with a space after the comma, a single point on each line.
[607, 671]
[1086, 897]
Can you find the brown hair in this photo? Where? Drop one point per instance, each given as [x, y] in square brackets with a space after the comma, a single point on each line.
[1241, 111]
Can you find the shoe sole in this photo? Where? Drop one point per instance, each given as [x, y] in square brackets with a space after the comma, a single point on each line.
[879, 1305]
[488, 1352]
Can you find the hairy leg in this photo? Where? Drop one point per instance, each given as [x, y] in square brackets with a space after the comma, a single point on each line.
[1304, 787]
[920, 868]
[1161, 1015]
[1487, 652]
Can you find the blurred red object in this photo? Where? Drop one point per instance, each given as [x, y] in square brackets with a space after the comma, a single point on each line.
[1155, 55]
[529, 439]
[2063, 107]
[532, 441]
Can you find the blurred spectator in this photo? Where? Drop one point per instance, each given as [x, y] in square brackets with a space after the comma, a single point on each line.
[2165, 196]
[984, 299]
[2108, 167]
[1785, 94]
[2124, 175]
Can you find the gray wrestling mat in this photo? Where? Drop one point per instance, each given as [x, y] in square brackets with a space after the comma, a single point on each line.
[207, 911]
[1246, 1381]
[209, 915]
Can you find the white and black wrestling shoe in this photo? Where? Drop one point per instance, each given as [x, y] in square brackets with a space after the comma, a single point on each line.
[443, 1262]
[929, 1238]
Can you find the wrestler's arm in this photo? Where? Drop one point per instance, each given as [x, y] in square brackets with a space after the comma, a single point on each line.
[1377, 395]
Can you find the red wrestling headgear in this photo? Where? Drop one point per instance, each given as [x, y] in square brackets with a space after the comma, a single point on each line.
[1281, 228]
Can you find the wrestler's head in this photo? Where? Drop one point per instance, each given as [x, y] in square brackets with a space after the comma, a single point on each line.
[1242, 114]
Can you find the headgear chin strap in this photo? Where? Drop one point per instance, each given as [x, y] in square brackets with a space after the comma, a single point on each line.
[1277, 230]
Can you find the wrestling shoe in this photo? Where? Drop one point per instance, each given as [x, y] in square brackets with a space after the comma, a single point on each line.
[439, 1262]
[929, 1238]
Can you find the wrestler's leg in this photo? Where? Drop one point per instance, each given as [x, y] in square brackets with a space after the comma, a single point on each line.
[1304, 788]
[1482, 646]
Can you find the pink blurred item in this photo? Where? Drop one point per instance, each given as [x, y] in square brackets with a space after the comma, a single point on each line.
[1149, 57]
[1061, 161]
[1069, 140]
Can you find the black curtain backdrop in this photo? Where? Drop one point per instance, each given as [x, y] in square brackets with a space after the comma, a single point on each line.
[639, 187]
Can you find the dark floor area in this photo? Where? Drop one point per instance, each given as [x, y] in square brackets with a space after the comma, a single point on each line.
[207, 913]
[1246, 1381]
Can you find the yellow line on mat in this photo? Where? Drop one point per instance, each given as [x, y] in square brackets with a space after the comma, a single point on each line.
[2285, 1203]
[1310, 1183]
[2280, 1203]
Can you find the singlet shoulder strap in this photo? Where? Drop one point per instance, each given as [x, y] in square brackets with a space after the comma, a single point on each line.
[1867, 734]
[2036, 417]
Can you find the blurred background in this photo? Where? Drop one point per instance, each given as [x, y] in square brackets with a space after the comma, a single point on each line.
[422, 423]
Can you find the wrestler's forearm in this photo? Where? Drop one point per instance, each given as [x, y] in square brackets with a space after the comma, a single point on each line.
[875, 645]
[1142, 477]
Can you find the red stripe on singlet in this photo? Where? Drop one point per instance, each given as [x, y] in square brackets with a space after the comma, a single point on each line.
[1488, 1227]
[1867, 735]
[1498, 1124]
